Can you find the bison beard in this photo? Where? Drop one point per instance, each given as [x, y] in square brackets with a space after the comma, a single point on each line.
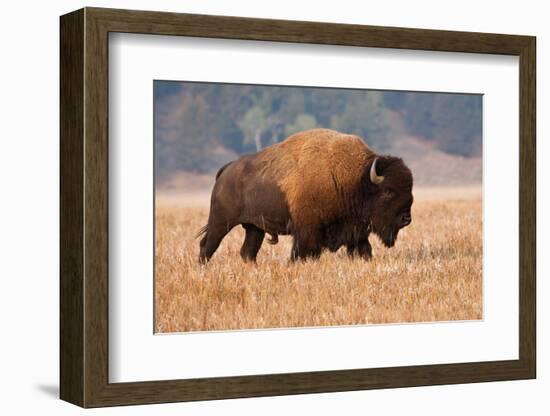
[326, 189]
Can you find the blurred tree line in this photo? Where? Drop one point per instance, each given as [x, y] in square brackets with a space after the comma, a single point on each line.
[200, 126]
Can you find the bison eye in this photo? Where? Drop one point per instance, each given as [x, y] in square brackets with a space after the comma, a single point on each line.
[388, 194]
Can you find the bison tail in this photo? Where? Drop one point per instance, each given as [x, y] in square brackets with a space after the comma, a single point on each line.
[274, 239]
[202, 231]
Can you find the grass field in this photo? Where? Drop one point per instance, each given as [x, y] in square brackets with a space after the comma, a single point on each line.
[434, 273]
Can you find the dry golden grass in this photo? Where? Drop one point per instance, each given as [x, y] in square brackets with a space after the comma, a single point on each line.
[434, 273]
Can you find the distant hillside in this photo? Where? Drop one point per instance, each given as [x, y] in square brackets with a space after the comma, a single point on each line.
[433, 167]
[430, 166]
[198, 127]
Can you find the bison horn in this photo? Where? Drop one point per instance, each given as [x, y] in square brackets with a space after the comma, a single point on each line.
[373, 176]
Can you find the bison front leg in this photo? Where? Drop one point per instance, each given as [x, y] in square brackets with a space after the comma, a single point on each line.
[252, 242]
[306, 245]
[362, 248]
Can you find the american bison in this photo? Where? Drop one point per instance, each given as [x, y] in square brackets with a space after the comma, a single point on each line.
[326, 189]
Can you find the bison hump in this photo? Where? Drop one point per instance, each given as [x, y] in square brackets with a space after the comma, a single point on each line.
[317, 171]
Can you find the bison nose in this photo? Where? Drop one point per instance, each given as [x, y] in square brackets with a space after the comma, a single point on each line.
[406, 220]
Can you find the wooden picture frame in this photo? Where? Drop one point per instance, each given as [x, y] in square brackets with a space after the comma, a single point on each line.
[84, 207]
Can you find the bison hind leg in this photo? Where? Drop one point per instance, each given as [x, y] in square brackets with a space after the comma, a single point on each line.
[211, 240]
[252, 242]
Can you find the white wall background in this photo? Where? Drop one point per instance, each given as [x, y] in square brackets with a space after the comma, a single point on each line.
[29, 210]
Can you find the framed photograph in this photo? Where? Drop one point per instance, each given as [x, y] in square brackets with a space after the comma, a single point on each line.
[254, 207]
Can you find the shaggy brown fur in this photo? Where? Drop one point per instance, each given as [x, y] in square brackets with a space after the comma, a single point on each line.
[317, 170]
[316, 186]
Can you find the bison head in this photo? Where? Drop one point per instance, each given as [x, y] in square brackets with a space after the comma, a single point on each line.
[389, 186]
